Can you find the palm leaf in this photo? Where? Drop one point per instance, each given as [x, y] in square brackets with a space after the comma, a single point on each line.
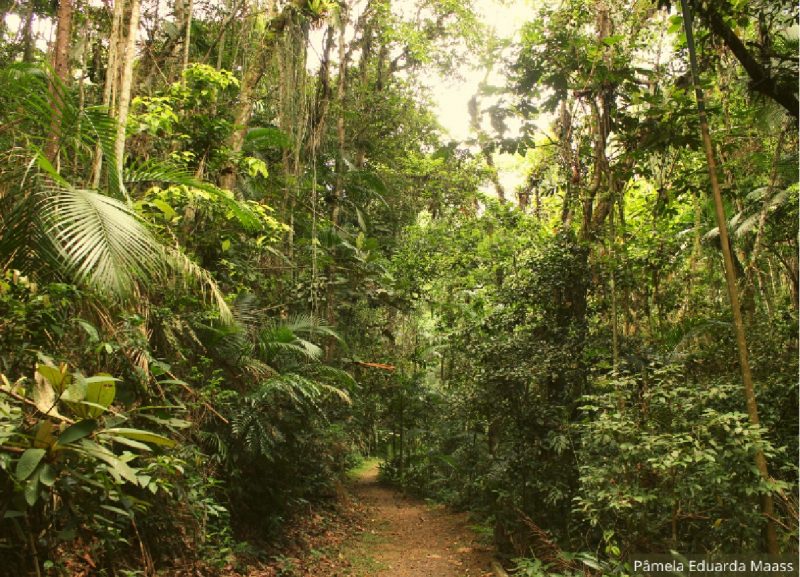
[99, 239]
[27, 105]
[181, 261]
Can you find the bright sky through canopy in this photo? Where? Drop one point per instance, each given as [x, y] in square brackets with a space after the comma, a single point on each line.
[451, 95]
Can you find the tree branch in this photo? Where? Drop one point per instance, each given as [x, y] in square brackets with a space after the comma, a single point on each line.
[761, 81]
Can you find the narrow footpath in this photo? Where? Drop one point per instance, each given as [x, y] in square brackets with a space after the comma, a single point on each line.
[404, 537]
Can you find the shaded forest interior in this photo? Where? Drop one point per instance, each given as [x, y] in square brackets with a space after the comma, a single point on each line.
[241, 251]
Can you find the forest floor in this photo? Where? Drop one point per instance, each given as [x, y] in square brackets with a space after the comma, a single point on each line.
[405, 537]
[389, 534]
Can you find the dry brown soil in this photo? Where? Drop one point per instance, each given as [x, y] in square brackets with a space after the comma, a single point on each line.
[404, 537]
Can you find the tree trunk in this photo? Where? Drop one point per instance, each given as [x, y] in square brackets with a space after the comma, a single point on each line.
[126, 84]
[341, 90]
[761, 79]
[187, 39]
[109, 88]
[27, 36]
[255, 71]
[338, 192]
[61, 72]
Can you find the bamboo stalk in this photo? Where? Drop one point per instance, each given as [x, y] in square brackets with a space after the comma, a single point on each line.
[767, 505]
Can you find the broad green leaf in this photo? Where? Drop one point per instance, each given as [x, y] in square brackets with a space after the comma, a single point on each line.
[44, 396]
[32, 491]
[90, 330]
[140, 435]
[100, 390]
[52, 374]
[118, 468]
[28, 462]
[77, 431]
[44, 435]
[131, 443]
[47, 475]
[166, 209]
[174, 423]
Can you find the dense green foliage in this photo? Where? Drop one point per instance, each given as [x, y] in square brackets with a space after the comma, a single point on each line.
[253, 233]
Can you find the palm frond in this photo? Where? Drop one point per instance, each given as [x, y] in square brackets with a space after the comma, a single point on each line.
[276, 341]
[246, 311]
[742, 223]
[256, 368]
[336, 376]
[99, 239]
[43, 108]
[190, 269]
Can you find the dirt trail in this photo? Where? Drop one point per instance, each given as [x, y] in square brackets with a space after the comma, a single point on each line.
[404, 537]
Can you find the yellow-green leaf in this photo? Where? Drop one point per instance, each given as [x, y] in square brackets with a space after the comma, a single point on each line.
[140, 435]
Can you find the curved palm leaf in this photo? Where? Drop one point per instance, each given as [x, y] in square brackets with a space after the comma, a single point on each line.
[179, 260]
[58, 228]
[100, 240]
[26, 104]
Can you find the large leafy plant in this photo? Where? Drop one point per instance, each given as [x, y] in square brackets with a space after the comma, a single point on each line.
[666, 464]
[64, 420]
[71, 458]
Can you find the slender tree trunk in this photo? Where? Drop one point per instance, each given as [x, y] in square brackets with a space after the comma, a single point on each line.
[61, 72]
[109, 88]
[696, 254]
[572, 175]
[626, 291]
[126, 84]
[613, 289]
[85, 45]
[261, 56]
[27, 35]
[241, 120]
[338, 192]
[341, 90]
[187, 39]
[221, 39]
[63, 36]
[767, 505]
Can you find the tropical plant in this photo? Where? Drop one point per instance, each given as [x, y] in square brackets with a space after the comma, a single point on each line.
[59, 430]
